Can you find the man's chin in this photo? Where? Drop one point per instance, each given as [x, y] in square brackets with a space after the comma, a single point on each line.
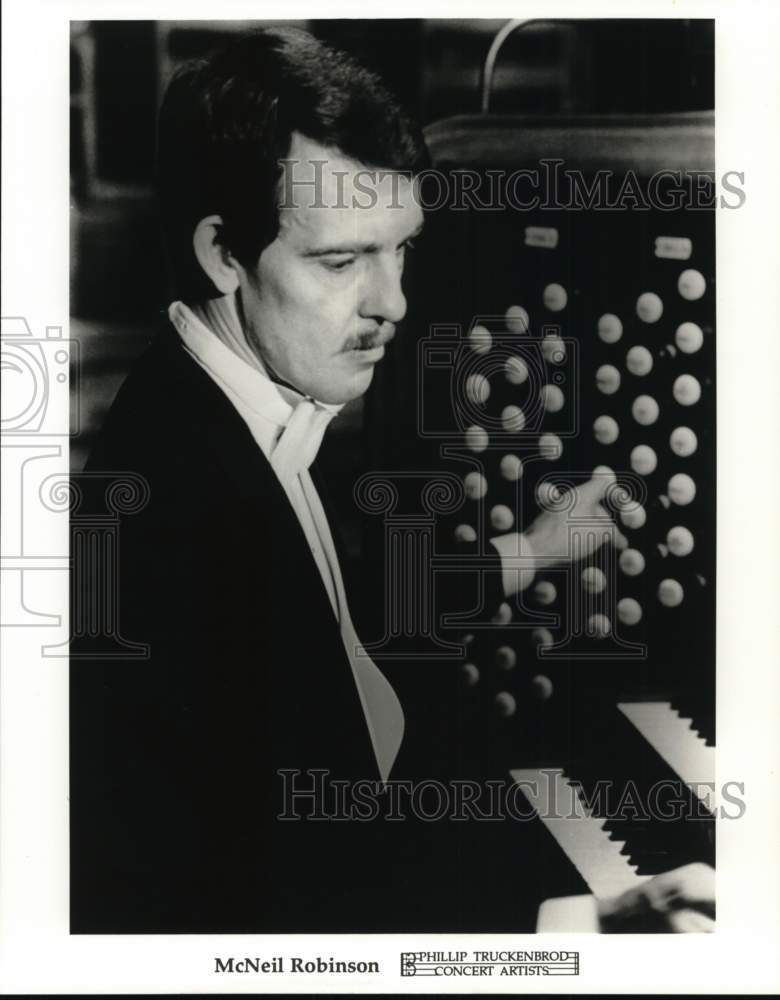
[350, 389]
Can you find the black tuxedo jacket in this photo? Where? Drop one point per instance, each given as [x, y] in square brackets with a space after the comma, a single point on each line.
[177, 759]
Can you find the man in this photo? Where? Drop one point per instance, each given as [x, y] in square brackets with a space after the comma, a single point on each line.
[287, 184]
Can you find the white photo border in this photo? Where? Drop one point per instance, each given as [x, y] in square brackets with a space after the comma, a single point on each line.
[37, 954]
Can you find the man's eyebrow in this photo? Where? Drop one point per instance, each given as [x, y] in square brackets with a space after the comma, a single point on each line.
[351, 246]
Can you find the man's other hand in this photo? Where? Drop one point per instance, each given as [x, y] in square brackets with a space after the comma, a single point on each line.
[571, 526]
[680, 901]
[574, 524]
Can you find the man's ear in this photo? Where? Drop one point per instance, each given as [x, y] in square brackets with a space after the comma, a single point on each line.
[213, 257]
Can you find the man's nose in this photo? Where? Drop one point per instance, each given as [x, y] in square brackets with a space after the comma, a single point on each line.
[382, 298]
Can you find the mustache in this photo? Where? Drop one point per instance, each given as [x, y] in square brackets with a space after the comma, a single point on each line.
[371, 339]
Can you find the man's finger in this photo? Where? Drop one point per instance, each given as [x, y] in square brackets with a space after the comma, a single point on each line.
[601, 480]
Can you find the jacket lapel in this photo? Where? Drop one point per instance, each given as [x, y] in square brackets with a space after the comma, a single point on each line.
[249, 475]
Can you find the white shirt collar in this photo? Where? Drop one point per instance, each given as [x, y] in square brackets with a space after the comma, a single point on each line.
[269, 406]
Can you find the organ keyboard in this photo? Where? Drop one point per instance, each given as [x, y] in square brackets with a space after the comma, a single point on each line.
[597, 856]
[614, 853]
[675, 739]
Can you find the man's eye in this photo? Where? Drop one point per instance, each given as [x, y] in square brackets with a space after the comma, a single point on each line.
[407, 245]
[338, 263]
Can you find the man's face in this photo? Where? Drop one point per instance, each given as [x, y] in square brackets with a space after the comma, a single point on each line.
[325, 296]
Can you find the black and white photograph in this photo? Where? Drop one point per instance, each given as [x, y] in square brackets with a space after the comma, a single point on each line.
[385, 507]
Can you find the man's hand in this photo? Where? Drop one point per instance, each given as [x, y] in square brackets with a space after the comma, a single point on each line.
[679, 901]
[573, 526]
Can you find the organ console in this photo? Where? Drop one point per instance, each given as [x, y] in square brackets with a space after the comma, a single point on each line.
[580, 336]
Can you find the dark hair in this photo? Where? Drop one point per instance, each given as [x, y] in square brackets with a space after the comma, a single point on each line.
[226, 121]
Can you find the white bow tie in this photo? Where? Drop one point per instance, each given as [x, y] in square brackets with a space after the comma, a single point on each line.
[300, 439]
